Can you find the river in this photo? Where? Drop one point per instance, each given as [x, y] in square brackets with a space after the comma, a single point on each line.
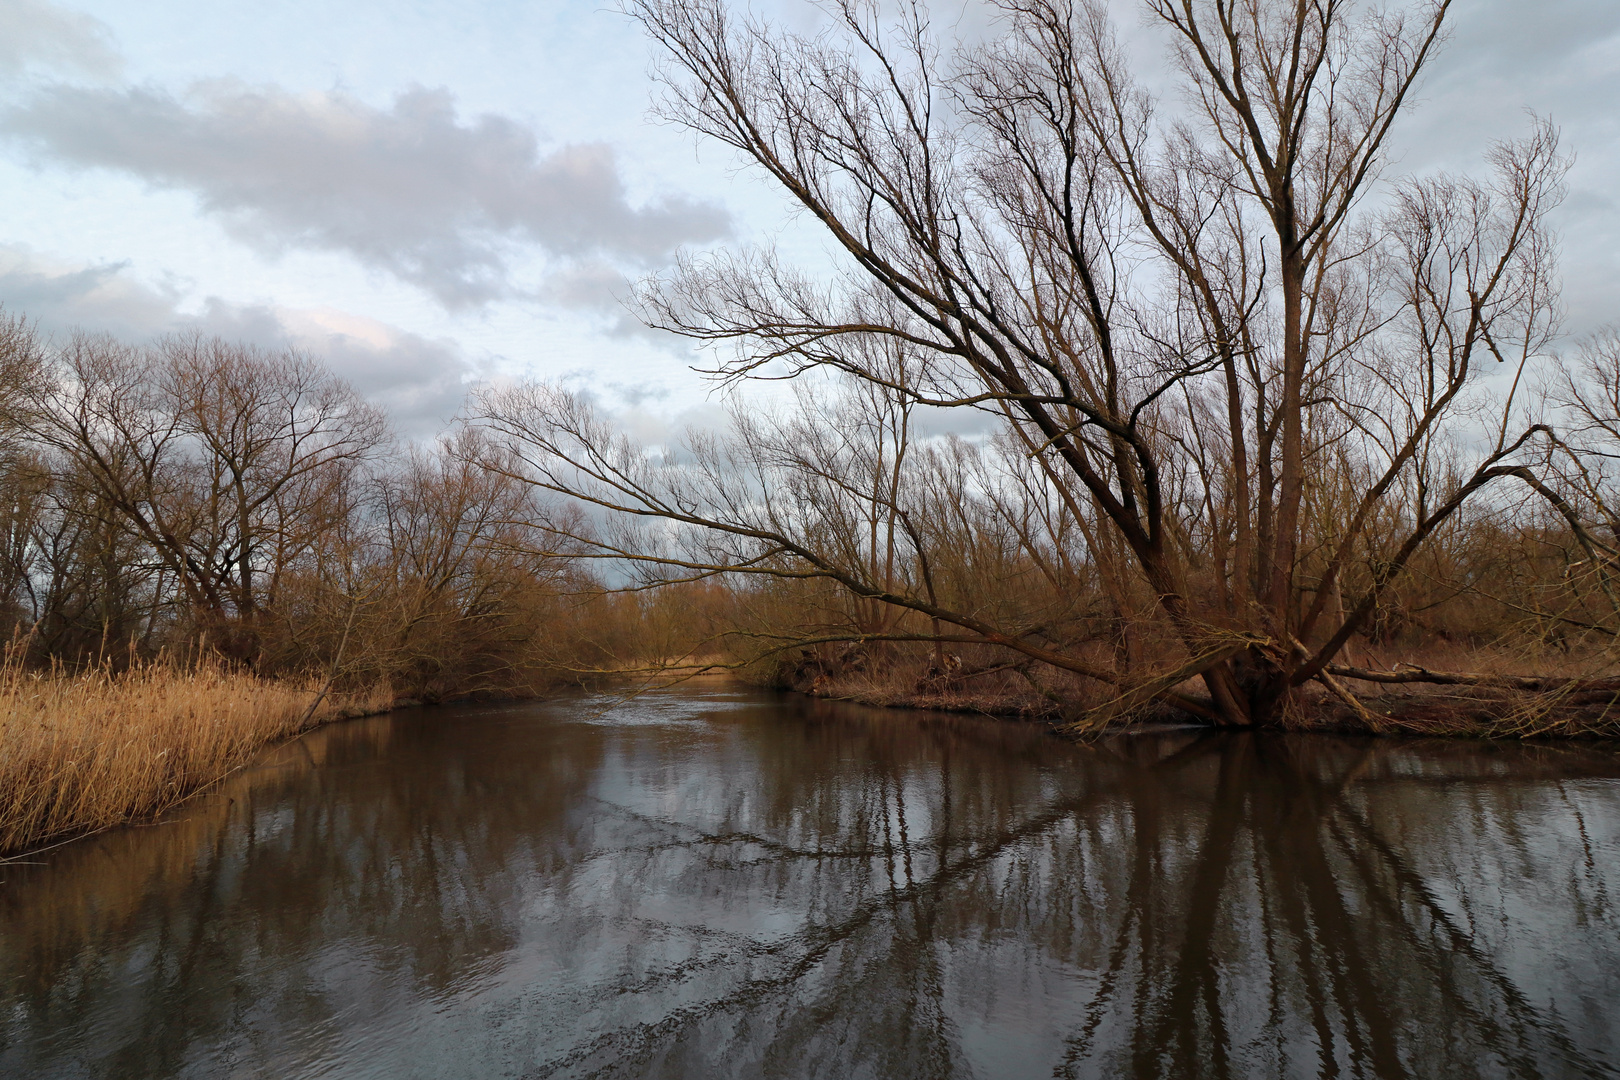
[714, 882]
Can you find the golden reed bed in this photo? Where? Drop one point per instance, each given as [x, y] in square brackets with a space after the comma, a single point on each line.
[84, 752]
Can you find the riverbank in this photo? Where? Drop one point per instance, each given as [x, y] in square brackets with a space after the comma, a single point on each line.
[80, 753]
[1575, 703]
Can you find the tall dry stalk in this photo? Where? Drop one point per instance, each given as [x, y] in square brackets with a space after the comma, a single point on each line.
[83, 752]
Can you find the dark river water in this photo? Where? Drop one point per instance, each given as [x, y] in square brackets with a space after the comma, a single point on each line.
[719, 883]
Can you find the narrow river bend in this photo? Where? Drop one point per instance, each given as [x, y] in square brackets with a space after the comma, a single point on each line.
[721, 883]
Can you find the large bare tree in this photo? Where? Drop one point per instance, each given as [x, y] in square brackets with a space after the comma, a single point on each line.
[1258, 374]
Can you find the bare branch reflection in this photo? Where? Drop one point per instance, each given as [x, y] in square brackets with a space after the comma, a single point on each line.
[726, 884]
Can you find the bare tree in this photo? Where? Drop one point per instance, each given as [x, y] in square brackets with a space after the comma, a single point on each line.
[1201, 325]
[226, 462]
[469, 601]
[21, 360]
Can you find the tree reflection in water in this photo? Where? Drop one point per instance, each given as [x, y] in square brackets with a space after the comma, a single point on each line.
[727, 884]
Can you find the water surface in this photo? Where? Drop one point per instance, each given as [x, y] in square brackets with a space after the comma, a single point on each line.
[719, 883]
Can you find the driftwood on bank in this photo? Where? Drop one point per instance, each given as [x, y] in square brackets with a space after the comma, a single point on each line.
[1413, 674]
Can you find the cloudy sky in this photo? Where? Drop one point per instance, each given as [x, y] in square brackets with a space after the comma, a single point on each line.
[428, 192]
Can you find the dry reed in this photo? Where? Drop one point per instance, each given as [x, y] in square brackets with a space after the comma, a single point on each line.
[84, 752]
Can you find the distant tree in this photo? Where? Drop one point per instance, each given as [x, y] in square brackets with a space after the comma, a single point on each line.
[468, 603]
[227, 463]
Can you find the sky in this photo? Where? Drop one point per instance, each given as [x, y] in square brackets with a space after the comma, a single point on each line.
[430, 194]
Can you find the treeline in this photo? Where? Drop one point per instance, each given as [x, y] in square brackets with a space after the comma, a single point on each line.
[196, 498]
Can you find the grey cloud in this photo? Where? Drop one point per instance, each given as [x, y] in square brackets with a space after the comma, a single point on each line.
[670, 431]
[1492, 32]
[602, 289]
[591, 285]
[420, 381]
[98, 298]
[973, 425]
[410, 190]
[613, 395]
[639, 394]
[35, 34]
[1505, 56]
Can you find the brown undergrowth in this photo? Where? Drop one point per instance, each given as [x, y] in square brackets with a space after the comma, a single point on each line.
[1478, 712]
[970, 679]
[87, 751]
[1578, 697]
[1472, 692]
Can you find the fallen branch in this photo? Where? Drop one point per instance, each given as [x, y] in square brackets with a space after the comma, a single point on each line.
[1411, 673]
[1160, 687]
[1342, 692]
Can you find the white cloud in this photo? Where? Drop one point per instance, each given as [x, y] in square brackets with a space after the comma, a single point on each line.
[411, 190]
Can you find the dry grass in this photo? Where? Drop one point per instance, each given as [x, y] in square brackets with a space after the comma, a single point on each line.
[84, 752]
